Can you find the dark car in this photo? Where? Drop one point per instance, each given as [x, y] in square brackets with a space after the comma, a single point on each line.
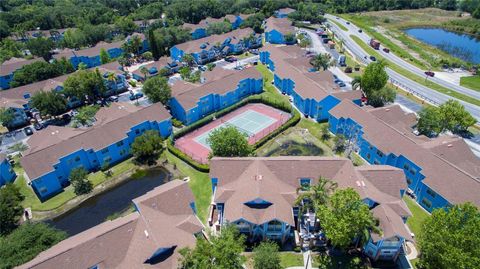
[386, 50]
[231, 59]
[373, 58]
[28, 131]
[360, 30]
[136, 96]
[348, 22]
[38, 126]
[429, 73]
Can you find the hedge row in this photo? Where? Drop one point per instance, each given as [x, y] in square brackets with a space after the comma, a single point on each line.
[251, 99]
[184, 157]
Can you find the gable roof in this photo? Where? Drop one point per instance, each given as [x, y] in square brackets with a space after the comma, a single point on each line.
[88, 52]
[444, 176]
[127, 242]
[291, 62]
[48, 145]
[10, 66]
[210, 41]
[276, 179]
[282, 25]
[188, 94]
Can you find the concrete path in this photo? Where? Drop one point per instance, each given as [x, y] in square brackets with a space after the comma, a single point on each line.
[307, 260]
[413, 251]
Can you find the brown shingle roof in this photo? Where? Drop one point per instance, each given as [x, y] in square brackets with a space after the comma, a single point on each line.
[188, 94]
[89, 52]
[282, 25]
[14, 64]
[49, 84]
[40, 159]
[276, 179]
[129, 241]
[443, 176]
[194, 45]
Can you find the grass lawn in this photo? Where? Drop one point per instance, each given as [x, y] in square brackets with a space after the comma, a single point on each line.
[472, 82]
[414, 77]
[340, 25]
[289, 259]
[269, 90]
[418, 215]
[60, 199]
[199, 183]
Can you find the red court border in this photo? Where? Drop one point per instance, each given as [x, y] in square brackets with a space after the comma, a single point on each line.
[199, 153]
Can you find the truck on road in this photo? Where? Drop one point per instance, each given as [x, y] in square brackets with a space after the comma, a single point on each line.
[374, 44]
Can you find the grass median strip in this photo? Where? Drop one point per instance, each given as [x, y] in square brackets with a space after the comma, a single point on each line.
[411, 76]
[340, 25]
[472, 82]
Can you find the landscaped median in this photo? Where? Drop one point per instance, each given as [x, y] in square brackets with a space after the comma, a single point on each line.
[414, 77]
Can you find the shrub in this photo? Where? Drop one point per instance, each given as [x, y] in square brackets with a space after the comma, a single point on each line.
[182, 156]
[348, 69]
[177, 123]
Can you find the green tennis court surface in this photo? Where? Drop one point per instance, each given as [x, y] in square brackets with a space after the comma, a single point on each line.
[249, 122]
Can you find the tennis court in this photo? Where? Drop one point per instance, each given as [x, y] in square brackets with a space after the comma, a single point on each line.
[249, 122]
[255, 120]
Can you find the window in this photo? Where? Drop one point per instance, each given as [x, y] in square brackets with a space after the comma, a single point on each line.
[431, 193]
[60, 177]
[77, 158]
[426, 202]
[43, 190]
[406, 167]
[368, 156]
[274, 226]
[305, 184]
[379, 153]
[409, 181]
[412, 171]
[119, 144]
[376, 162]
[105, 150]
[137, 131]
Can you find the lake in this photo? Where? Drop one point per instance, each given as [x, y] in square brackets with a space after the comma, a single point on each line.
[465, 47]
[96, 209]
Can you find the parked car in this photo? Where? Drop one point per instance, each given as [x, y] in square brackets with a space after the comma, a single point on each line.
[429, 73]
[341, 84]
[113, 98]
[348, 22]
[38, 126]
[386, 50]
[28, 131]
[254, 51]
[231, 59]
[360, 30]
[136, 96]
[202, 67]
[373, 58]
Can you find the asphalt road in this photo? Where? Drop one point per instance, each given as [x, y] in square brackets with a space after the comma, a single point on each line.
[353, 30]
[423, 92]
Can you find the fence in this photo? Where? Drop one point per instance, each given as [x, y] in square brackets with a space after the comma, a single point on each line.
[256, 137]
[192, 155]
[412, 91]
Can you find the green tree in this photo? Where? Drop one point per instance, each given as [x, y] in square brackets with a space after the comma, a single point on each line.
[340, 143]
[86, 85]
[290, 38]
[74, 39]
[188, 58]
[26, 242]
[104, 57]
[79, 179]
[229, 142]
[152, 41]
[429, 122]
[450, 238]
[10, 208]
[454, 117]
[135, 43]
[217, 28]
[316, 195]
[345, 217]
[322, 61]
[147, 56]
[38, 71]
[224, 251]
[86, 114]
[41, 47]
[125, 25]
[82, 66]
[373, 82]
[147, 147]
[49, 103]
[325, 132]
[6, 116]
[265, 256]
[157, 89]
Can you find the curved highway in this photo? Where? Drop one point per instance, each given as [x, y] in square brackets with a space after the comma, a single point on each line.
[426, 93]
[353, 30]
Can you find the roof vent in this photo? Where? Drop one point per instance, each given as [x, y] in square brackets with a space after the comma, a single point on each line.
[146, 233]
[449, 145]
[258, 177]
[363, 183]
[358, 183]
[387, 109]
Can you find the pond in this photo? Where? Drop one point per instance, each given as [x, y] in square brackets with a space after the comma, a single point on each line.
[465, 47]
[118, 199]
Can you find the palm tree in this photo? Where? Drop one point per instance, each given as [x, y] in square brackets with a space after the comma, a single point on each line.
[136, 42]
[317, 194]
[357, 83]
[323, 61]
[144, 71]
